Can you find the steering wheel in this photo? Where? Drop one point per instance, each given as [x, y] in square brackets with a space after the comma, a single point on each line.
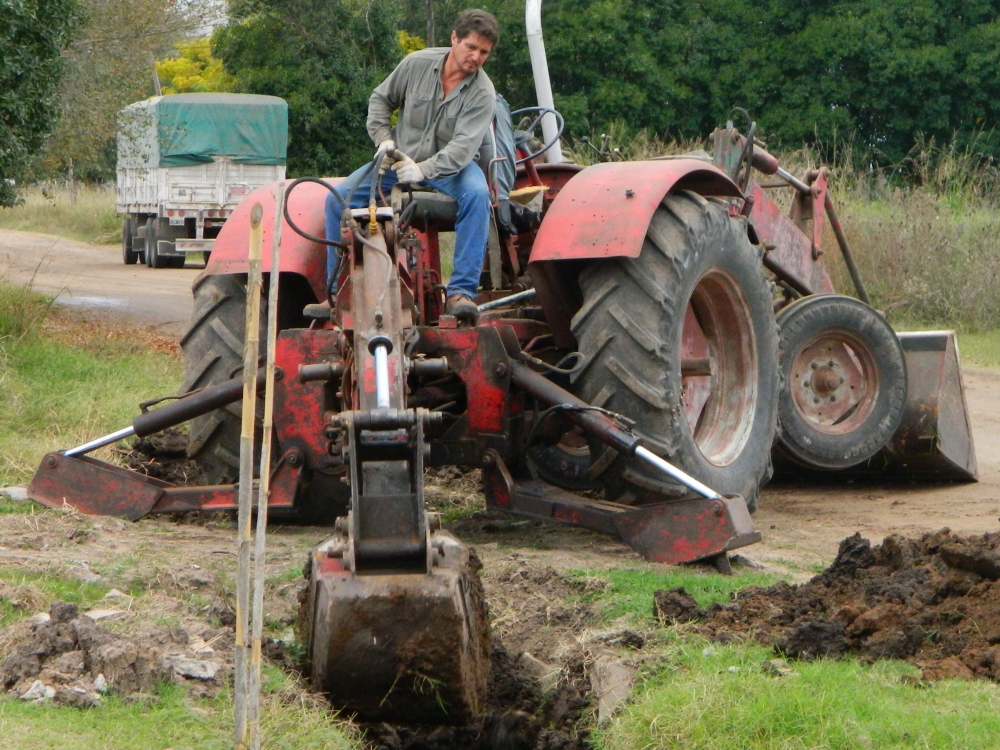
[523, 135]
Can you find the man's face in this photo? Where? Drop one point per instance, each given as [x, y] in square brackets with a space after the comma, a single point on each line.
[470, 53]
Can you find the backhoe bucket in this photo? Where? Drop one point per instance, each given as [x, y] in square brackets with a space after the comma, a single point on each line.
[935, 437]
[410, 648]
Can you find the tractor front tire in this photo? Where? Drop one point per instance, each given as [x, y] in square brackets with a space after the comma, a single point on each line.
[682, 340]
[844, 382]
[213, 353]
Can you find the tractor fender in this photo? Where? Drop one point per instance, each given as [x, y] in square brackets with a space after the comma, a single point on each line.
[298, 255]
[604, 211]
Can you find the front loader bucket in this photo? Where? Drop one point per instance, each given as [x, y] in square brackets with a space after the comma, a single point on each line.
[935, 437]
[410, 648]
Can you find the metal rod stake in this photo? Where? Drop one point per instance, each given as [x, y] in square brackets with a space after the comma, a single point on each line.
[506, 300]
[794, 181]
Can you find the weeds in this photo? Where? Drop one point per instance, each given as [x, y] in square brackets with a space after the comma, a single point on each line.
[22, 311]
[91, 218]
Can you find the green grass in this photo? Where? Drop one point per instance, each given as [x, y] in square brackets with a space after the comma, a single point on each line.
[981, 349]
[167, 720]
[36, 591]
[629, 591]
[54, 395]
[91, 219]
[693, 701]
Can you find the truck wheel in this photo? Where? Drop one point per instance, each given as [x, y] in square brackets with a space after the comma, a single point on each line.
[844, 376]
[683, 341]
[213, 353]
[153, 258]
[130, 256]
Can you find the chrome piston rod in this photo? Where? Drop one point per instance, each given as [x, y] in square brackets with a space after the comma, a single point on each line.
[381, 354]
[100, 442]
[672, 471]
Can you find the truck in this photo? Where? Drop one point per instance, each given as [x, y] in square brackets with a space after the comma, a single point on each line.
[185, 161]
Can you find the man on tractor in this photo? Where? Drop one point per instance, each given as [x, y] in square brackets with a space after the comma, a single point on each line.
[445, 102]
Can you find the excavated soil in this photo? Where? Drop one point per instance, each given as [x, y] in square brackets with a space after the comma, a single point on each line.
[932, 600]
[163, 456]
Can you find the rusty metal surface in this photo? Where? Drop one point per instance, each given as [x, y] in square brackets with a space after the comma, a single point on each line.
[673, 532]
[935, 437]
[604, 211]
[298, 255]
[96, 488]
[787, 246]
[299, 407]
[406, 648]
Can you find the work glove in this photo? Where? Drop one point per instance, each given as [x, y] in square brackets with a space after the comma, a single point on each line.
[407, 170]
[387, 147]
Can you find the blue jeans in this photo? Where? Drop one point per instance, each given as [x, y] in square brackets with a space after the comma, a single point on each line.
[468, 187]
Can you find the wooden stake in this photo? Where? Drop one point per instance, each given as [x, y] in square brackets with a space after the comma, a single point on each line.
[260, 537]
[250, 346]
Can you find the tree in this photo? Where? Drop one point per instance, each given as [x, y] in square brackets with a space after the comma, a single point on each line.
[323, 57]
[194, 70]
[109, 65]
[33, 34]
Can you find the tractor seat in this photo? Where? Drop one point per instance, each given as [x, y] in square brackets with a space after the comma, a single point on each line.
[432, 206]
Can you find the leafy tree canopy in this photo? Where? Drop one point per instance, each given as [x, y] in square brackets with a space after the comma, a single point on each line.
[323, 57]
[33, 34]
[884, 71]
[193, 70]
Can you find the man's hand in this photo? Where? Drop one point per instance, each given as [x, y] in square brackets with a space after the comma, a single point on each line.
[408, 171]
[386, 147]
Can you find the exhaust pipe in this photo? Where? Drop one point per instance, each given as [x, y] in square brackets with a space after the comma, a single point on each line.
[540, 71]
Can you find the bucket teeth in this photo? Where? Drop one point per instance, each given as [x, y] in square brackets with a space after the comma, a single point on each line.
[410, 648]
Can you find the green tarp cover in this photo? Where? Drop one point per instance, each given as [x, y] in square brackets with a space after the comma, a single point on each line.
[183, 130]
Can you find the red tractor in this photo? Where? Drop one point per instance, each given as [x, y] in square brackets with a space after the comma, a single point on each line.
[648, 329]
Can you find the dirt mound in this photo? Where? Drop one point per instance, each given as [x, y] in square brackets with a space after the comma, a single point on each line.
[934, 601]
[71, 659]
[164, 456]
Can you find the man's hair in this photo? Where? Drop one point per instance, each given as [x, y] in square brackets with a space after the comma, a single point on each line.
[477, 22]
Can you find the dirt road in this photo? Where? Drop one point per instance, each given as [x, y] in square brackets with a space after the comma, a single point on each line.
[93, 278]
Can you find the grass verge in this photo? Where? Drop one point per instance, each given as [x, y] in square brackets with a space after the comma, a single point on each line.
[63, 382]
[710, 697]
[168, 719]
[628, 592]
[91, 219]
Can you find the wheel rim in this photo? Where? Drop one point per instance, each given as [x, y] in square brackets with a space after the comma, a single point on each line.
[719, 368]
[834, 382]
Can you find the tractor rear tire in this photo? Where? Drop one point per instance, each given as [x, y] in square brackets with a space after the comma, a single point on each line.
[845, 381]
[213, 353]
[697, 293]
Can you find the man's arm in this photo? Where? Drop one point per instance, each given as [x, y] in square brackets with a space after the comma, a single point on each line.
[470, 127]
[385, 99]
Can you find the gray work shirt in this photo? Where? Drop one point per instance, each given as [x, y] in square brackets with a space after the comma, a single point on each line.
[441, 134]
